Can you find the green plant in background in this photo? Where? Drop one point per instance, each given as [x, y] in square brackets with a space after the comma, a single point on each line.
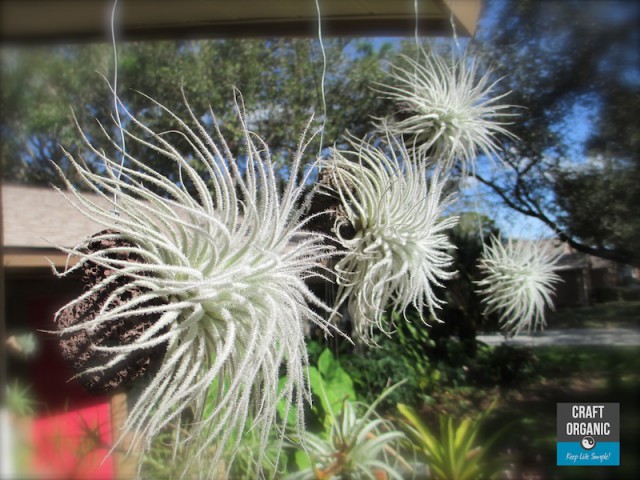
[399, 357]
[25, 344]
[20, 400]
[245, 457]
[330, 385]
[456, 453]
[504, 365]
[353, 447]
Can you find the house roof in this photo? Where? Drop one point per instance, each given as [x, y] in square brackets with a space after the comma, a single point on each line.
[41, 217]
[36, 220]
[64, 20]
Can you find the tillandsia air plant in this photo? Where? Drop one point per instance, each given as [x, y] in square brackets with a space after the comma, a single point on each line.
[518, 281]
[217, 266]
[446, 108]
[355, 447]
[456, 452]
[399, 248]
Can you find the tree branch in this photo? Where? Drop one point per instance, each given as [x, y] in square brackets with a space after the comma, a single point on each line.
[535, 211]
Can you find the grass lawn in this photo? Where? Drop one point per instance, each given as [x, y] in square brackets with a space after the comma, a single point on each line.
[603, 315]
[563, 374]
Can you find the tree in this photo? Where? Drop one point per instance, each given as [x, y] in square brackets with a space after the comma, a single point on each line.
[38, 89]
[573, 68]
[597, 203]
[279, 80]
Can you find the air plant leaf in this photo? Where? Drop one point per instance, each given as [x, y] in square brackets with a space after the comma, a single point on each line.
[399, 251]
[227, 253]
[455, 451]
[355, 446]
[519, 279]
[447, 108]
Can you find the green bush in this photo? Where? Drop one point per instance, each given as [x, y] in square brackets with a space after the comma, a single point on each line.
[629, 294]
[604, 295]
[504, 366]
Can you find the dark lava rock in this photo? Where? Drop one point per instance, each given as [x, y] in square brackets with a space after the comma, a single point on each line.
[77, 347]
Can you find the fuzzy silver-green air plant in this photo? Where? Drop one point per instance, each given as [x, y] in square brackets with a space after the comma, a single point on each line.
[229, 257]
[519, 279]
[447, 108]
[399, 252]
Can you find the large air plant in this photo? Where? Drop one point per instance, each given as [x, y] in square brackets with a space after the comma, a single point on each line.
[446, 108]
[227, 254]
[399, 251]
[518, 281]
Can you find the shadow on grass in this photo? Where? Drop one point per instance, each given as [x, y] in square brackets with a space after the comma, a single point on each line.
[604, 315]
[570, 374]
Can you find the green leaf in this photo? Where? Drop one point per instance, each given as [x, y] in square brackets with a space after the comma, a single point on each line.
[292, 412]
[302, 460]
[331, 384]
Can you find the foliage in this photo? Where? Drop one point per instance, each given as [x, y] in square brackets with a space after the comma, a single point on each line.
[20, 399]
[504, 365]
[374, 370]
[425, 359]
[463, 313]
[574, 69]
[41, 84]
[26, 344]
[594, 201]
[165, 459]
[353, 447]
[331, 385]
[455, 453]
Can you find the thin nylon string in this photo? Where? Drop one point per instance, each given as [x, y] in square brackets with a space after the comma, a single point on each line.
[475, 196]
[115, 103]
[323, 98]
[417, 18]
[322, 80]
[453, 28]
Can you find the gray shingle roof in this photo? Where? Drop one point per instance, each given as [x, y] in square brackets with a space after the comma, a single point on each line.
[41, 217]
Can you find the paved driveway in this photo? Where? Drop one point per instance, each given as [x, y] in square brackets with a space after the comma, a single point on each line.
[570, 336]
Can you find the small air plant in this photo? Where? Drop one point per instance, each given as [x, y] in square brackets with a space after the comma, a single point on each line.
[219, 254]
[519, 278]
[398, 252]
[355, 447]
[448, 111]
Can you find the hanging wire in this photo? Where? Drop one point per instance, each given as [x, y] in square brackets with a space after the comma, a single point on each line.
[453, 27]
[116, 109]
[417, 25]
[322, 79]
[454, 52]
